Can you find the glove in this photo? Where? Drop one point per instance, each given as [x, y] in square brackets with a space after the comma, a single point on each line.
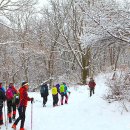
[32, 99]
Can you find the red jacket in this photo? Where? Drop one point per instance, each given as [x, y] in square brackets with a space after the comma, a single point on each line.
[92, 84]
[23, 97]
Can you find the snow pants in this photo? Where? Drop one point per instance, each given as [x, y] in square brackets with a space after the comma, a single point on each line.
[62, 98]
[44, 99]
[21, 110]
[55, 100]
[1, 112]
[11, 108]
[91, 91]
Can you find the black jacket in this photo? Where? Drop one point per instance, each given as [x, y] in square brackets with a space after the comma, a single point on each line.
[2, 96]
[44, 90]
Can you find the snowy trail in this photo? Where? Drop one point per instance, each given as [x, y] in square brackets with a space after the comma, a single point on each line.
[82, 113]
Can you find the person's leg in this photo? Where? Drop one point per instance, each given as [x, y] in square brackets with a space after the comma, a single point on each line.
[45, 99]
[19, 118]
[23, 117]
[93, 90]
[42, 100]
[66, 98]
[14, 111]
[57, 99]
[9, 108]
[1, 114]
[90, 92]
[53, 100]
[62, 98]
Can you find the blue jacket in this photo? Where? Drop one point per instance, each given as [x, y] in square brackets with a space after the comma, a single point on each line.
[2, 94]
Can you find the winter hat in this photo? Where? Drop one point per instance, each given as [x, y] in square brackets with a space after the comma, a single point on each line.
[11, 84]
[24, 83]
[64, 83]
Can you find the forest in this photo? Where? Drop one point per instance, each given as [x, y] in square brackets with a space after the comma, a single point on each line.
[69, 40]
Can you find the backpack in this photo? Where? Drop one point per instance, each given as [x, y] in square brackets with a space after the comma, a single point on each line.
[54, 90]
[2, 95]
[62, 88]
[65, 88]
[9, 94]
[16, 99]
[42, 90]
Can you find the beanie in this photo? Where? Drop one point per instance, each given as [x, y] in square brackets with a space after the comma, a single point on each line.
[24, 83]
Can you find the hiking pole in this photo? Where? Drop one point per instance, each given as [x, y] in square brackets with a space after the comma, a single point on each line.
[5, 117]
[31, 114]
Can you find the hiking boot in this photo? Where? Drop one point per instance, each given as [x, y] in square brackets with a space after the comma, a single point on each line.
[44, 105]
[22, 129]
[54, 105]
[14, 126]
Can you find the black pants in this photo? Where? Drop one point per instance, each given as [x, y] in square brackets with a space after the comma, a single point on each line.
[11, 107]
[91, 91]
[21, 117]
[44, 100]
[1, 113]
[55, 100]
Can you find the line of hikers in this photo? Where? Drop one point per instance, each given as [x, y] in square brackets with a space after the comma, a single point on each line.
[19, 98]
[15, 99]
[58, 89]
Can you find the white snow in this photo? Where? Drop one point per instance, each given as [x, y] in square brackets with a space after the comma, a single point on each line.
[81, 113]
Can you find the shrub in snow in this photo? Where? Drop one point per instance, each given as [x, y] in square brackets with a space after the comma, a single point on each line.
[119, 87]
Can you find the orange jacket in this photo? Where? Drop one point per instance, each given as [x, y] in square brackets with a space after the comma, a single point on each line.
[23, 96]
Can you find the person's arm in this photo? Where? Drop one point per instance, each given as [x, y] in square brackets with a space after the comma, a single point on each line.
[26, 96]
[94, 84]
[4, 95]
[67, 90]
[89, 84]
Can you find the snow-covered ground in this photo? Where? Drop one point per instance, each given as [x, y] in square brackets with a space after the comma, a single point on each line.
[81, 113]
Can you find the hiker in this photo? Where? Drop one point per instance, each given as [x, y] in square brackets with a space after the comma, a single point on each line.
[64, 93]
[22, 105]
[91, 85]
[44, 93]
[55, 96]
[2, 99]
[10, 105]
